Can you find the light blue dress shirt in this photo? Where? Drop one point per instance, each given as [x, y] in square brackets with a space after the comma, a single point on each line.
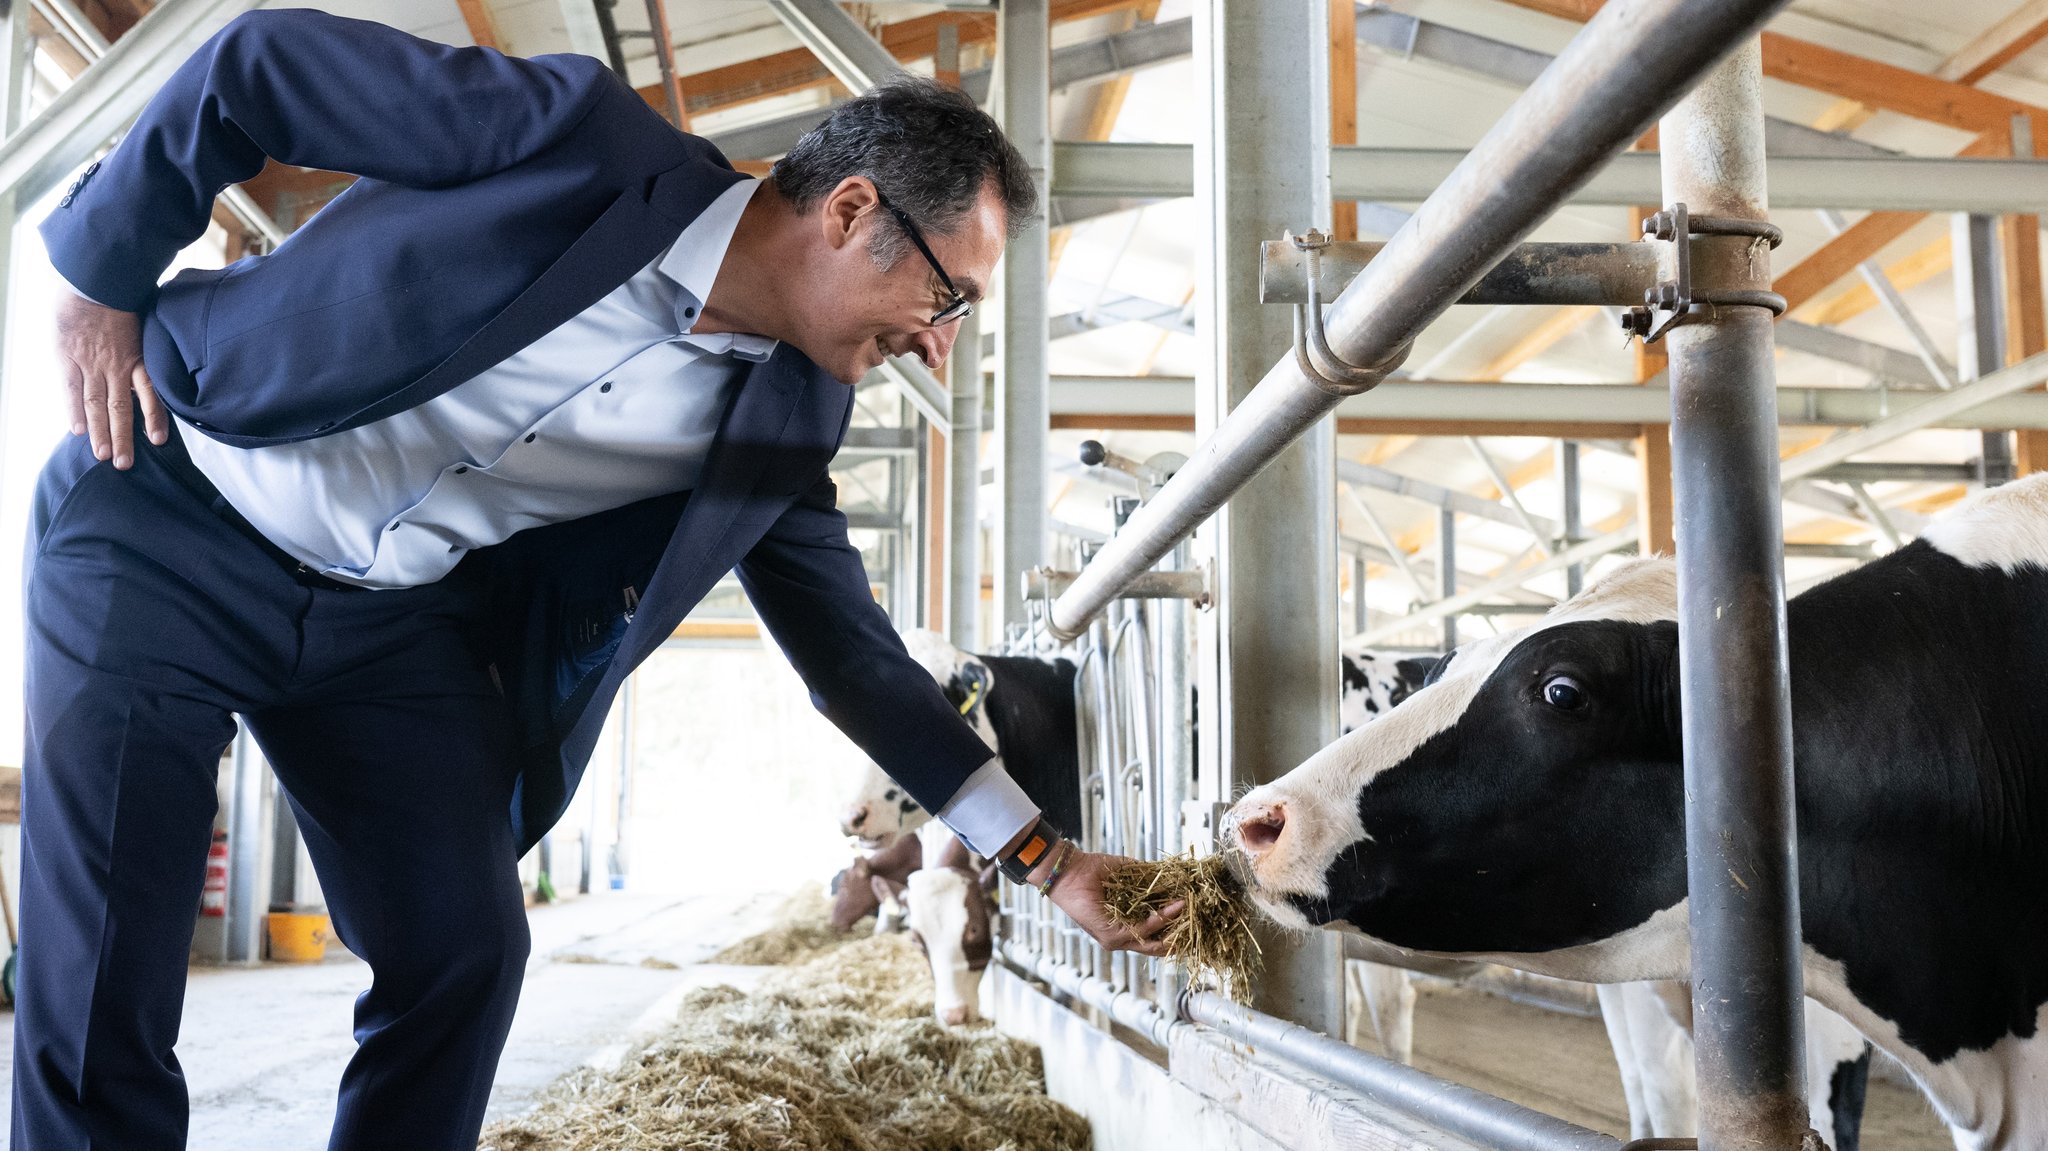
[618, 404]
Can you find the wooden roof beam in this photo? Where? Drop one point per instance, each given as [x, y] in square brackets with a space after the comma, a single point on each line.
[1864, 239]
[1998, 45]
[1866, 81]
[483, 26]
[796, 70]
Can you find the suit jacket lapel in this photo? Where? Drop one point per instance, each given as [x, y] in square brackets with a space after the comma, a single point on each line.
[754, 425]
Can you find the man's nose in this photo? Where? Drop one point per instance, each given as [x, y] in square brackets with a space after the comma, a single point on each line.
[935, 344]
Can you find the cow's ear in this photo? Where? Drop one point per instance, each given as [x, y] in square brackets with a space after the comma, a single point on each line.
[888, 891]
[989, 876]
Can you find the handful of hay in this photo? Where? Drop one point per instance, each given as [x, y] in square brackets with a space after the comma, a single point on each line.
[1212, 938]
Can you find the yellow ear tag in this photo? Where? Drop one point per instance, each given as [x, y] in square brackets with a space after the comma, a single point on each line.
[973, 697]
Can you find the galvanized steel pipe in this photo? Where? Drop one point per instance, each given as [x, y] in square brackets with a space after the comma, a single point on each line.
[1631, 62]
[1462, 1111]
[1742, 861]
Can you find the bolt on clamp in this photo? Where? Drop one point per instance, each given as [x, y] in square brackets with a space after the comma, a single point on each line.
[1678, 300]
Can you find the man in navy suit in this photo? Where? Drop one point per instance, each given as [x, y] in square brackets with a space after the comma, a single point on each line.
[414, 493]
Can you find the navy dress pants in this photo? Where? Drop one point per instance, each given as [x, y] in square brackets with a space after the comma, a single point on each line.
[151, 621]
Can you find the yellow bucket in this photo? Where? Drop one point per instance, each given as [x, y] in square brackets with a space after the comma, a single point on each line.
[297, 937]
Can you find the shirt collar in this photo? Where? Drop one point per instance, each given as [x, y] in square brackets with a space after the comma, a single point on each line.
[692, 262]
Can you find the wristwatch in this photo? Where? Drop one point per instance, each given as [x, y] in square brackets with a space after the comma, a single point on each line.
[1037, 843]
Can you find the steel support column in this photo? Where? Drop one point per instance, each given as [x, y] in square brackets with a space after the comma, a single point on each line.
[1447, 571]
[1023, 45]
[1980, 327]
[1268, 651]
[963, 492]
[1572, 513]
[1740, 838]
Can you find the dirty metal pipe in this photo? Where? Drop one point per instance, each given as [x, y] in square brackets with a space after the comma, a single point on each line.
[1595, 274]
[1740, 838]
[1629, 63]
[1461, 1111]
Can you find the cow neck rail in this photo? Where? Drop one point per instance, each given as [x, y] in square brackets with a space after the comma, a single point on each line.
[1628, 65]
[1454, 1108]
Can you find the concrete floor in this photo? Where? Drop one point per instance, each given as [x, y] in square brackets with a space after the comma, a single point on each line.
[263, 1047]
[1563, 1065]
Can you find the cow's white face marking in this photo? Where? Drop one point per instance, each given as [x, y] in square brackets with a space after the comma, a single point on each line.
[939, 914]
[2004, 527]
[881, 810]
[1318, 801]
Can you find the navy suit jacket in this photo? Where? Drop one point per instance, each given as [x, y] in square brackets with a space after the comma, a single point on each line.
[499, 197]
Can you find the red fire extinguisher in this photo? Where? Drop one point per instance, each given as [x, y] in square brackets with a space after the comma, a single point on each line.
[213, 898]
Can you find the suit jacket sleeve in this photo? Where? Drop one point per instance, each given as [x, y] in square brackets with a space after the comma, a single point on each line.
[314, 90]
[809, 586]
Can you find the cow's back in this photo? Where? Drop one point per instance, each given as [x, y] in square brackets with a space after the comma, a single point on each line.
[1921, 746]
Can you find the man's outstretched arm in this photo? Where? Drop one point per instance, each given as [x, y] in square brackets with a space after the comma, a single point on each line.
[809, 586]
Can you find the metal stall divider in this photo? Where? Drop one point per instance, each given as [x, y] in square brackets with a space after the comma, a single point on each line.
[1132, 709]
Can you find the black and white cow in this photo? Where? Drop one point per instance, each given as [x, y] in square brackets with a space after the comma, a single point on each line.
[1528, 807]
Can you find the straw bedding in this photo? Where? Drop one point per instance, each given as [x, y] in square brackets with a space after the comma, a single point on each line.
[836, 1051]
[1212, 937]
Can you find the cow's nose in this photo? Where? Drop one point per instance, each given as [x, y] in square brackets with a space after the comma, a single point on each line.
[854, 819]
[1259, 831]
[956, 1016]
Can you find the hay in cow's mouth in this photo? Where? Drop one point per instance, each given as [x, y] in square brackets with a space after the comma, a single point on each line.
[1212, 938]
[838, 1050]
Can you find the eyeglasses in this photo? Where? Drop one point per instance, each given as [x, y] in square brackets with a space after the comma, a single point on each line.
[960, 307]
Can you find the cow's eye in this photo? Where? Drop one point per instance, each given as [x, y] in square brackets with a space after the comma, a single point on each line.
[1564, 693]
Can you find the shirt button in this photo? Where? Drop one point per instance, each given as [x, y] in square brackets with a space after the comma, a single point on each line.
[394, 526]
[605, 387]
[531, 436]
[689, 313]
[462, 469]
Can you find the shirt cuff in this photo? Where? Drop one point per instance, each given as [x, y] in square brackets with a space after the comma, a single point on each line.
[73, 289]
[989, 809]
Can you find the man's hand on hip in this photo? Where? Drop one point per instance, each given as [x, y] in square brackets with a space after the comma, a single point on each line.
[101, 350]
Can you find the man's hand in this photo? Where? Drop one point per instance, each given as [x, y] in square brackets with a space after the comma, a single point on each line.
[101, 349]
[1079, 894]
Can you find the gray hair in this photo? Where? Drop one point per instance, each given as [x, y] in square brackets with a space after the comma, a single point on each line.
[926, 146]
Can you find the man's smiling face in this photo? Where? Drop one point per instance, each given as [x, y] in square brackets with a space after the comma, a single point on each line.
[864, 312]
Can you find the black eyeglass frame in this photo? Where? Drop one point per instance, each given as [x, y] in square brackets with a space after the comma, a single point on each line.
[961, 307]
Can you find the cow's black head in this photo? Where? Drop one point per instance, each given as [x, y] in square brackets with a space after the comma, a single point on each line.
[1530, 799]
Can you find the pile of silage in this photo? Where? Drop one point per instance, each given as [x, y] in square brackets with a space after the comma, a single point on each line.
[837, 1052]
[1212, 936]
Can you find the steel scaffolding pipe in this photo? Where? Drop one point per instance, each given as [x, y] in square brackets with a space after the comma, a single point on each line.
[1742, 863]
[1631, 61]
[1597, 274]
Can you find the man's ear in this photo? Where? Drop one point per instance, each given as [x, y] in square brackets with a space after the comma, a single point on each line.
[846, 209]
